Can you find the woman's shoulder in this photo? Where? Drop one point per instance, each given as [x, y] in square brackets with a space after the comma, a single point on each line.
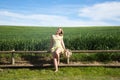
[53, 36]
[62, 36]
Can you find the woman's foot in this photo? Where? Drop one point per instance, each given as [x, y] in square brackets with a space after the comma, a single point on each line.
[56, 70]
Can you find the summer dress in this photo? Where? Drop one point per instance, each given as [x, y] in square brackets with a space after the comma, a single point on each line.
[57, 43]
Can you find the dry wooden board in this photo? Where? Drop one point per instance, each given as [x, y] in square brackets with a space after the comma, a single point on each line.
[62, 65]
[74, 51]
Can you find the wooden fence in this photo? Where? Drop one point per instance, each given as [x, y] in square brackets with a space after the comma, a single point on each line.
[44, 65]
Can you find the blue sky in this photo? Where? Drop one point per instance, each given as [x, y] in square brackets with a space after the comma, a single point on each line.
[60, 12]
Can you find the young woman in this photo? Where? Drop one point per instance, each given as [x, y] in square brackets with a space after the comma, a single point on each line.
[57, 47]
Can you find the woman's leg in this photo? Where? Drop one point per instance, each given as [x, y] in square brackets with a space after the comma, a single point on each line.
[56, 58]
[55, 63]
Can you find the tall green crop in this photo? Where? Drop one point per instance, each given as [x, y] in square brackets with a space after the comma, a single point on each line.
[79, 38]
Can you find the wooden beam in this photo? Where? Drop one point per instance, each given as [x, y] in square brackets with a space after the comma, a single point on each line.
[94, 51]
[63, 65]
[23, 51]
[87, 65]
[74, 51]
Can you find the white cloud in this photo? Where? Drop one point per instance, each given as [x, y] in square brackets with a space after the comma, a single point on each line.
[97, 15]
[11, 18]
[31, 16]
[103, 11]
[30, 19]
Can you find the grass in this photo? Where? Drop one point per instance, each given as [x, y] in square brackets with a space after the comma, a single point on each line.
[64, 73]
[37, 38]
[75, 38]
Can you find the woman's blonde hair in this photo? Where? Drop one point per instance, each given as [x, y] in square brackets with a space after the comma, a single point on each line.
[61, 34]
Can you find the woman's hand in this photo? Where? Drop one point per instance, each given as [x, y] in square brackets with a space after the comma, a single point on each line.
[64, 50]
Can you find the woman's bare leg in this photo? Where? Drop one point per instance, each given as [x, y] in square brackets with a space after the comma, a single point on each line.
[56, 64]
[56, 59]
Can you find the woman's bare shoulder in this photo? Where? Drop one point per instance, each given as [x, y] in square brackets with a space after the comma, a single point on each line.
[61, 36]
[52, 36]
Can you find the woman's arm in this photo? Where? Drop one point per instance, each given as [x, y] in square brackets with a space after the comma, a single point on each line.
[63, 45]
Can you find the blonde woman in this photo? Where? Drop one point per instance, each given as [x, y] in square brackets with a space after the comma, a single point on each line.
[57, 47]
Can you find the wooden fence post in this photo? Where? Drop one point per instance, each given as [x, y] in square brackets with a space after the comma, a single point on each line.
[12, 59]
[68, 60]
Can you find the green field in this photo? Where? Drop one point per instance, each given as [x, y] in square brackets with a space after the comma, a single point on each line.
[64, 73]
[75, 38]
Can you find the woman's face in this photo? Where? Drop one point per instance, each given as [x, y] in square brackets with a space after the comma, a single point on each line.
[58, 31]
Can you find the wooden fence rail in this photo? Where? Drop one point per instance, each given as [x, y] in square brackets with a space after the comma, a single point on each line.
[73, 51]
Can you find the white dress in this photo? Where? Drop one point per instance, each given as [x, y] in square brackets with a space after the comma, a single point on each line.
[57, 43]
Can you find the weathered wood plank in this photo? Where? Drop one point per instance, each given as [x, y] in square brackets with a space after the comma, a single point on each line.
[23, 51]
[63, 65]
[94, 51]
[74, 51]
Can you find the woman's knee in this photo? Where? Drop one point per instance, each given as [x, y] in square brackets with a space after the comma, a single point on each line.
[58, 51]
[54, 55]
